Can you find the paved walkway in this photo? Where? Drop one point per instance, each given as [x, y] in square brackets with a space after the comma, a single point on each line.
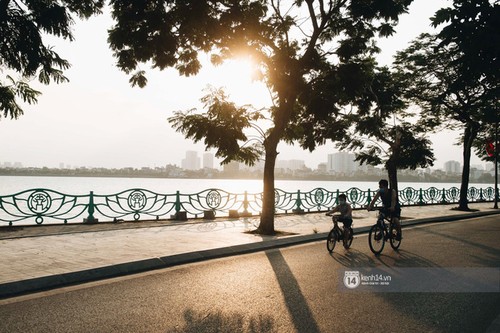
[40, 257]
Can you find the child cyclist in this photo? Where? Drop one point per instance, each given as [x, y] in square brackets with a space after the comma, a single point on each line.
[345, 217]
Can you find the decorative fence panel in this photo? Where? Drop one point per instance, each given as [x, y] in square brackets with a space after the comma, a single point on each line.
[48, 206]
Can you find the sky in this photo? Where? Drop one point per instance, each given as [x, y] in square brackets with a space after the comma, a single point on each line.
[99, 120]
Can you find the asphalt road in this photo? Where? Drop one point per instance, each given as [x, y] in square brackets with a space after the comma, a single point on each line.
[294, 289]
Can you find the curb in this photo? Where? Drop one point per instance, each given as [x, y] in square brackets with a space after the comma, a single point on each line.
[22, 287]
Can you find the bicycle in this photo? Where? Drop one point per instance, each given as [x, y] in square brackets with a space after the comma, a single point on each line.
[384, 230]
[337, 234]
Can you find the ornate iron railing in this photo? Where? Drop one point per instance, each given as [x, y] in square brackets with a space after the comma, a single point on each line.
[41, 205]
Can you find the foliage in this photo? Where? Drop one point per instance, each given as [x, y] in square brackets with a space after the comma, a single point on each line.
[478, 56]
[221, 127]
[23, 25]
[472, 27]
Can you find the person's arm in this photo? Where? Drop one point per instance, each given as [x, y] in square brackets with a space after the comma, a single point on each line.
[375, 198]
[333, 210]
[349, 210]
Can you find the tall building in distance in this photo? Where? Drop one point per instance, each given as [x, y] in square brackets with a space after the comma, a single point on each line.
[341, 163]
[291, 164]
[452, 167]
[191, 162]
[208, 161]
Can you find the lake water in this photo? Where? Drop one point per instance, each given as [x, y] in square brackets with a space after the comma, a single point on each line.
[102, 185]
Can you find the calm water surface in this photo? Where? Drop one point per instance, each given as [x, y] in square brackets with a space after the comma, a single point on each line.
[103, 185]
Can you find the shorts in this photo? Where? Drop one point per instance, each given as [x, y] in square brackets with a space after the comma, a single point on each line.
[395, 213]
[347, 221]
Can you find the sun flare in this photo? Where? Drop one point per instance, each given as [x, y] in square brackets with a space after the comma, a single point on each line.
[238, 78]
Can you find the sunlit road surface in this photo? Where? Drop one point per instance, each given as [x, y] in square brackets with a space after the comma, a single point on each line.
[295, 289]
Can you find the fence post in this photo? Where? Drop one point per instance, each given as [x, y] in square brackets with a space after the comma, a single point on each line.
[369, 197]
[443, 197]
[420, 197]
[179, 216]
[177, 202]
[299, 204]
[91, 210]
[245, 206]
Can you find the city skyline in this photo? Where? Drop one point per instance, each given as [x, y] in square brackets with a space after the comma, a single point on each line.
[98, 120]
[342, 162]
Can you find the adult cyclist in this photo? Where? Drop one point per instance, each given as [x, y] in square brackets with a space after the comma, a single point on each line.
[390, 203]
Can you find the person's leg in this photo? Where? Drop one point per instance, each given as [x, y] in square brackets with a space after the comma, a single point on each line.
[397, 223]
[347, 226]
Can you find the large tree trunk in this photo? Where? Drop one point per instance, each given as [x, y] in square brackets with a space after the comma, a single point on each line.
[266, 225]
[392, 163]
[392, 172]
[470, 135]
[281, 120]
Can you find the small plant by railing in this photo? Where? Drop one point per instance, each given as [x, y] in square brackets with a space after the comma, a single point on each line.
[41, 205]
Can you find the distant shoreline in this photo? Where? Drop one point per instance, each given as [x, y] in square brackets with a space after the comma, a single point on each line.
[151, 173]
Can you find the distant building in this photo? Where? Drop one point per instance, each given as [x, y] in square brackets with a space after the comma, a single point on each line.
[322, 167]
[191, 162]
[452, 167]
[477, 167]
[208, 161]
[341, 162]
[291, 164]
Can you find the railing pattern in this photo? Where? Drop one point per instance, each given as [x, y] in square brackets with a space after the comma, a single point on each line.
[43, 205]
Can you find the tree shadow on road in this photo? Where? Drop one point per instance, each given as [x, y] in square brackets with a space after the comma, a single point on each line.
[220, 322]
[295, 301]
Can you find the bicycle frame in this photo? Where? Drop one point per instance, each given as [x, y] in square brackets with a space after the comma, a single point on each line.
[386, 227]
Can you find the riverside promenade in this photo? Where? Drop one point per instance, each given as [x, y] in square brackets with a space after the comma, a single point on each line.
[41, 257]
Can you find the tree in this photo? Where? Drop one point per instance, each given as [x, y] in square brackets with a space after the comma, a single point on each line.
[373, 121]
[380, 131]
[294, 43]
[448, 95]
[23, 51]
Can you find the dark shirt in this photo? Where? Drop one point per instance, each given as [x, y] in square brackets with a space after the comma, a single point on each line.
[386, 198]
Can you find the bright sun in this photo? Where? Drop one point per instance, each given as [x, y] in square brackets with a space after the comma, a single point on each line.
[237, 78]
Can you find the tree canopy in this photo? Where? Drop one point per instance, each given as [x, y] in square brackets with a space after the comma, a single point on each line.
[294, 43]
[297, 45]
[23, 51]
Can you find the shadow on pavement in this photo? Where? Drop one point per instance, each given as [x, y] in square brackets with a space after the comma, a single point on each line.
[447, 312]
[196, 322]
[353, 258]
[404, 258]
[299, 310]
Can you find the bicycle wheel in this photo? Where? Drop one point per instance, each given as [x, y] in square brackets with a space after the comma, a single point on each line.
[348, 242]
[331, 240]
[393, 232]
[376, 239]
